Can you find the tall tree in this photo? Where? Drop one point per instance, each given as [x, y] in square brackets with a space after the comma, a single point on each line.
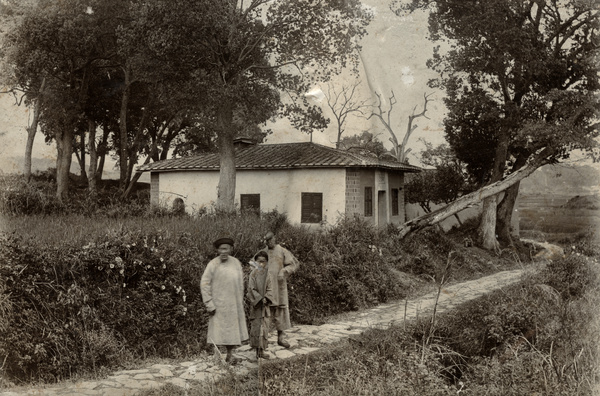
[258, 58]
[521, 81]
[11, 15]
[64, 42]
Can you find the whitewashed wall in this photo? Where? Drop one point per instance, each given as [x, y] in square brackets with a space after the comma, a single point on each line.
[278, 189]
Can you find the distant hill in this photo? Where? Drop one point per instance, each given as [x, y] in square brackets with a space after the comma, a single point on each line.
[568, 180]
[583, 202]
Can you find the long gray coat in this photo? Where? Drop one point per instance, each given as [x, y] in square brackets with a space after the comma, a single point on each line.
[222, 288]
[284, 262]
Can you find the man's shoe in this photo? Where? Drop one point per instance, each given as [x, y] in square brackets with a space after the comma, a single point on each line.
[232, 360]
[262, 355]
[283, 343]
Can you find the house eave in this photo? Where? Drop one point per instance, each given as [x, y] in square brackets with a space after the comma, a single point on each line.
[282, 167]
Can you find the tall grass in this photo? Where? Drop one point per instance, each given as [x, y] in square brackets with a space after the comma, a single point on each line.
[540, 337]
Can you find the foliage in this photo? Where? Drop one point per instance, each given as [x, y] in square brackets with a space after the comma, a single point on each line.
[538, 336]
[177, 72]
[80, 298]
[485, 347]
[365, 143]
[517, 75]
[445, 183]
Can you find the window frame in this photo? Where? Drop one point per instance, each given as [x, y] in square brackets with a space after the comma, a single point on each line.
[251, 197]
[395, 201]
[368, 202]
[307, 218]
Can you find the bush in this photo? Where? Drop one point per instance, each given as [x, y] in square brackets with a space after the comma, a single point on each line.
[79, 309]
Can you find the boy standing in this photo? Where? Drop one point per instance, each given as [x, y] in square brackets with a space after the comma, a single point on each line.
[260, 296]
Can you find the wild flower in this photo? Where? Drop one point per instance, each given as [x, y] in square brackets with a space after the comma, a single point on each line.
[162, 287]
[112, 265]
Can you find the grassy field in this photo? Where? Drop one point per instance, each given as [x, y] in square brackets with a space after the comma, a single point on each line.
[545, 217]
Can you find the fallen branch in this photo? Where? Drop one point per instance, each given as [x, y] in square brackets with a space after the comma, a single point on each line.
[467, 200]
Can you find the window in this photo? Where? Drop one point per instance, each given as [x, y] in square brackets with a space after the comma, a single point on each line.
[312, 208]
[395, 195]
[368, 201]
[250, 202]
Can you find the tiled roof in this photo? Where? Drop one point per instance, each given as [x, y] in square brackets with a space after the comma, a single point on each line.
[280, 156]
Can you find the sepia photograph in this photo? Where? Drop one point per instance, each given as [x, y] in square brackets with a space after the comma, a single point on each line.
[299, 197]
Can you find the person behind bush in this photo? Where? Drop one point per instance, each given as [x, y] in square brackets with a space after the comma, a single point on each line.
[260, 296]
[281, 264]
[222, 287]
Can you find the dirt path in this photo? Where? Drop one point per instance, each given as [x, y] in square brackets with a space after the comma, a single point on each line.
[302, 338]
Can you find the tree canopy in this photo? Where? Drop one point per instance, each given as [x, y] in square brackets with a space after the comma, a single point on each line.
[521, 81]
[155, 74]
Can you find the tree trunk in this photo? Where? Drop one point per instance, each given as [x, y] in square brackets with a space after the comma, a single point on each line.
[93, 159]
[101, 152]
[226, 188]
[82, 149]
[470, 199]
[64, 151]
[31, 131]
[137, 142]
[506, 208]
[123, 146]
[134, 179]
[504, 214]
[458, 219]
[487, 226]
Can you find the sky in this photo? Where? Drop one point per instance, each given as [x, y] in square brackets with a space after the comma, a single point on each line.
[393, 59]
[394, 55]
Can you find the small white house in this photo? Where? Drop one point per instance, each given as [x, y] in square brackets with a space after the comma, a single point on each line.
[309, 182]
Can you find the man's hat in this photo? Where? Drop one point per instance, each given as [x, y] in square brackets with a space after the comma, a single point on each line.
[269, 235]
[222, 241]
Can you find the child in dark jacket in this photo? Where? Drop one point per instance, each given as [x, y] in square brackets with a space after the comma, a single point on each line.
[260, 296]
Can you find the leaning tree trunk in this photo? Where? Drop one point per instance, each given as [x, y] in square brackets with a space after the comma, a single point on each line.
[64, 151]
[470, 199]
[92, 189]
[226, 188]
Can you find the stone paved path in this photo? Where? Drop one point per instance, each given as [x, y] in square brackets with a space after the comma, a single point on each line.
[302, 338]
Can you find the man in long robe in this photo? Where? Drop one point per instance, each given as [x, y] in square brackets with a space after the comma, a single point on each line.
[222, 287]
[282, 263]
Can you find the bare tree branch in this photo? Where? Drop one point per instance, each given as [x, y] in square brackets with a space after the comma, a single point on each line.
[343, 103]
